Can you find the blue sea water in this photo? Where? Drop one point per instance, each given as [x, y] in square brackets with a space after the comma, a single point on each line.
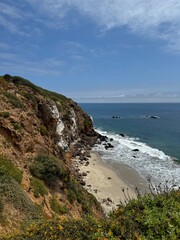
[158, 140]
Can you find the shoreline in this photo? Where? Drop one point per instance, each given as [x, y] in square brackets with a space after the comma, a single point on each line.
[107, 181]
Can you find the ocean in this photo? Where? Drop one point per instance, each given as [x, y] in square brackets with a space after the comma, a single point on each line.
[153, 129]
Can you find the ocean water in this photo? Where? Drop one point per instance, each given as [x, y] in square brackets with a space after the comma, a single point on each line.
[158, 140]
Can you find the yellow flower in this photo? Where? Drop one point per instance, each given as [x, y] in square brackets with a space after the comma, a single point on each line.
[60, 227]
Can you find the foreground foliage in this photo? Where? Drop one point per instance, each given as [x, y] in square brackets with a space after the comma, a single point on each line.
[148, 217]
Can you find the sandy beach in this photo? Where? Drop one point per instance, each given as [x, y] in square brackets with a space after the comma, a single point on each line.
[106, 184]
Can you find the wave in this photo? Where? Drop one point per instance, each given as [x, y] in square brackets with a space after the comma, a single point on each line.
[149, 162]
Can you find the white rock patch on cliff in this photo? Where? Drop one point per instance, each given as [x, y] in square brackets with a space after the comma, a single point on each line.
[74, 125]
[59, 128]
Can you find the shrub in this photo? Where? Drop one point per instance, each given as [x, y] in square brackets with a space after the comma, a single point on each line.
[17, 126]
[38, 187]
[57, 207]
[49, 169]
[13, 100]
[87, 123]
[11, 170]
[4, 114]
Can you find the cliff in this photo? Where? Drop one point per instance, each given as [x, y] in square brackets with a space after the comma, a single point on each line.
[40, 133]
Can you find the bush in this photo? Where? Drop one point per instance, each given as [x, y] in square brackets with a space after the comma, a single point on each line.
[38, 187]
[49, 169]
[57, 207]
[13, 100]
[17, 126]
[4, 114]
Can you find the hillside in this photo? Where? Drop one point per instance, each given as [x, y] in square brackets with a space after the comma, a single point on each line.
[40, 133]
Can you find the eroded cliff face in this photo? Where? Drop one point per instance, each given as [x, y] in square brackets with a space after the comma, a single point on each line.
[36, 122]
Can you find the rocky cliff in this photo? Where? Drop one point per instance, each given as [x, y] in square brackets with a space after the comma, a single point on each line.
[40, 133]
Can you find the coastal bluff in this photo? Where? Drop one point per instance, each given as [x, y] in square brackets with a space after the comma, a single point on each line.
[40, 132]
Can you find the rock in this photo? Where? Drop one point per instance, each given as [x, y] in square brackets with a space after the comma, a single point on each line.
[109, 200]
[135, 150]
[122, 134]
[109, 178]
[84, 174]
[87, 163]
[154, 117]
[111, 139]
[83, 183]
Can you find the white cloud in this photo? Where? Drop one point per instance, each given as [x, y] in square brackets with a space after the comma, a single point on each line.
[152, 18]
[156, 19]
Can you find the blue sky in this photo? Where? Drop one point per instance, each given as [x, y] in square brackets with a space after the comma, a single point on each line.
[94, 50]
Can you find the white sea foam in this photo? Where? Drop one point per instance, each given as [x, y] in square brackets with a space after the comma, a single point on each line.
[148, 161]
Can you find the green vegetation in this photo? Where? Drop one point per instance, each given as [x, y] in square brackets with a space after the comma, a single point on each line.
[38, 187]
[11, 190]
[43, 130]
[4, 114]
[15, 101]
[21, 81]
[75, 192]
[57, 207]
[29, 96]
[17, 126]
[10, 169]
[148, 217]
[49, 169]
[87, 123]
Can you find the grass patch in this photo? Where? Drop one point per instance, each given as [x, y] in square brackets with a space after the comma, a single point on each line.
[57, 207]
[15, 102]
[10, 169]
[12, 192]
[4, 114]
[38, 187]
[43, 130]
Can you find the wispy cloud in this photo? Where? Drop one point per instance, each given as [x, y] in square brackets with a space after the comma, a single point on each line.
[151, 19]
[155, 19]
[12, 62]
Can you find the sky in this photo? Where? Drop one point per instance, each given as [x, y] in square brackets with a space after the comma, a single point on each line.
[94, 50]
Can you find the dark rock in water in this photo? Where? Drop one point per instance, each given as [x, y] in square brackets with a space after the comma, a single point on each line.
[135, 150]
[154, 117]
[103, 138]
[122, 134]
[111, 139]
[108, 145]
